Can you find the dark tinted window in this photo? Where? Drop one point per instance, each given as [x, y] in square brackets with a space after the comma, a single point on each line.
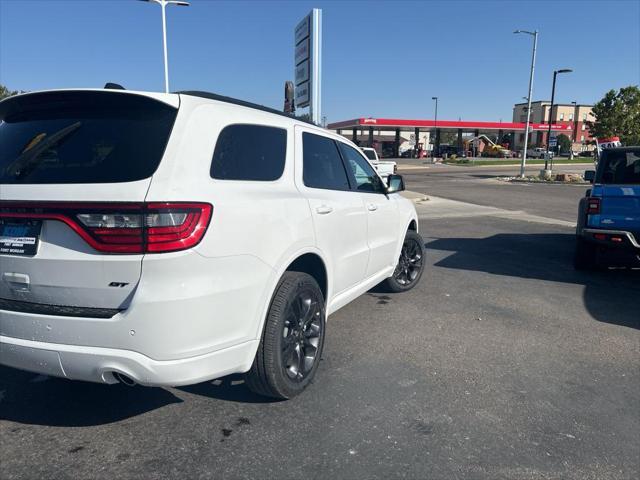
[619, 167]
[250, 152]
[366, 179]
[370, 154]
[322, 165]
[82, 137]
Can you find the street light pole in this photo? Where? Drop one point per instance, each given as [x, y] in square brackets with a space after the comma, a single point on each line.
[533, 66]
[575, 133]
[553, 93]
[163, 4]
[435, 124]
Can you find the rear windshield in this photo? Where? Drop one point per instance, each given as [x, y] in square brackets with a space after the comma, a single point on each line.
[619, 167]
[370, 154]
[82, 137]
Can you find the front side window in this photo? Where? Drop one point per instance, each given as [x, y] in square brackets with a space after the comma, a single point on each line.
[366, 179]
[322, 166]
[249, 152]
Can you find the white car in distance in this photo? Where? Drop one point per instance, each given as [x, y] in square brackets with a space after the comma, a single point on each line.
[170, 239]
[383, 167]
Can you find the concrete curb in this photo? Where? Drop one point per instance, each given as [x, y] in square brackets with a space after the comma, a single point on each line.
[546, 182]
[415, 197]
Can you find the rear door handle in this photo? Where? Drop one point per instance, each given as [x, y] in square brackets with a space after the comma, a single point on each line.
[324, 209]
[372, 207]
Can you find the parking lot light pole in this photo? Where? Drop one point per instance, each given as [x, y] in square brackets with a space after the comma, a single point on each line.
[553, 93]
[534, 34]
[435, 124]
[163, 4]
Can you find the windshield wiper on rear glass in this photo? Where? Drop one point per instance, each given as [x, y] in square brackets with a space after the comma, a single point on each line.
[30, 158]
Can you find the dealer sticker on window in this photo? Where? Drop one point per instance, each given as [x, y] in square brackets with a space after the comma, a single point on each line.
[19, 238]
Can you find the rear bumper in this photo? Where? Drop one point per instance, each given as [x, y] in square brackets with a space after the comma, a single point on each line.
[625, 251]
[628, 239]
[96, 364]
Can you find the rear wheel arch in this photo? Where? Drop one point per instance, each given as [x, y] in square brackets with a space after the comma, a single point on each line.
[312, 264]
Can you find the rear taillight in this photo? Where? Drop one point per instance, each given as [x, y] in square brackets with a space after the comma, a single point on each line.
[171, 226]
[124, 228]
[593, 206]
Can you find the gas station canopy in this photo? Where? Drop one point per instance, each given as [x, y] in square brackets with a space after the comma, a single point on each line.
[404, 124]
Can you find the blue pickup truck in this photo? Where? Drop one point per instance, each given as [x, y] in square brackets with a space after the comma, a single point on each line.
[608, 230]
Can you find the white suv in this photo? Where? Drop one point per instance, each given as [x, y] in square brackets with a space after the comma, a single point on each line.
[168, 239]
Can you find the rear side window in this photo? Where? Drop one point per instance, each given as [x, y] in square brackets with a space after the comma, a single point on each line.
[82, 137]
[620, 167]
[370, 154]
[322, 165]
[249, 152]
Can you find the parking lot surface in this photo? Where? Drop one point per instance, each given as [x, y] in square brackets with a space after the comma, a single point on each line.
[504, 363]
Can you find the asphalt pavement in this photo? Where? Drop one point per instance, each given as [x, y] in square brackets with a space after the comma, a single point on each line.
[504, 363]
[481, 185]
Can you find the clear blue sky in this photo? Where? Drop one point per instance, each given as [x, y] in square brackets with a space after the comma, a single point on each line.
[381, 58]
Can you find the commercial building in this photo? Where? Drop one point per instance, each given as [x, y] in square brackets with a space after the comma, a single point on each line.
[389, 135]
[571, 115]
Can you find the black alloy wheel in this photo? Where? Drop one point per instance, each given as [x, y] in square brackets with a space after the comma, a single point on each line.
[410, 265]
[301, 335]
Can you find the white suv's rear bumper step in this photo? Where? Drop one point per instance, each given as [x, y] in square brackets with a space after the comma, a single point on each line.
[95, 364]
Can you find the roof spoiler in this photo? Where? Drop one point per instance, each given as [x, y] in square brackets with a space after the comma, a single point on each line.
[113, 86]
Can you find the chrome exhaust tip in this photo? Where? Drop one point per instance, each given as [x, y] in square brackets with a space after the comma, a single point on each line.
[122, 378]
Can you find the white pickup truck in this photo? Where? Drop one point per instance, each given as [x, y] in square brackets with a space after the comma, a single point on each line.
[538, 153]
[383, 167]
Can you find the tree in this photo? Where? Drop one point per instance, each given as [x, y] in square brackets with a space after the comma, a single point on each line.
[618, 114]
[564, 143]
[5, 92]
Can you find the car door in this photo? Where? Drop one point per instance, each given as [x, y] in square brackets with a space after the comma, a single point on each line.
[383, 225]
[339, 216]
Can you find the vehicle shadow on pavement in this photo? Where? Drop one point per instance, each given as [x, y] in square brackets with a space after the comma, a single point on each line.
[231, 389]
[33, 399]
[610, 296]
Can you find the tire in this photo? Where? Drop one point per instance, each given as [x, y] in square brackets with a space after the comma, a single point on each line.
[410, 265]
[292, 340]
[585, 255]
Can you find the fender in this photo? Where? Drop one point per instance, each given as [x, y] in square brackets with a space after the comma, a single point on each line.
[287, 259]
[412, 218]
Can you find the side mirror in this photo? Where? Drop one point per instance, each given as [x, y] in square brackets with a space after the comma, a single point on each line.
[395, 183]
[589, 175]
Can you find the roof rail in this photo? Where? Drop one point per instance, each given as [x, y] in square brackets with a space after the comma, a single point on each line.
[242, 103]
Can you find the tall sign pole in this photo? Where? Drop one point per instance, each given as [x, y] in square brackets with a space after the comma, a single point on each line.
[308, 64]
[316, 66]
